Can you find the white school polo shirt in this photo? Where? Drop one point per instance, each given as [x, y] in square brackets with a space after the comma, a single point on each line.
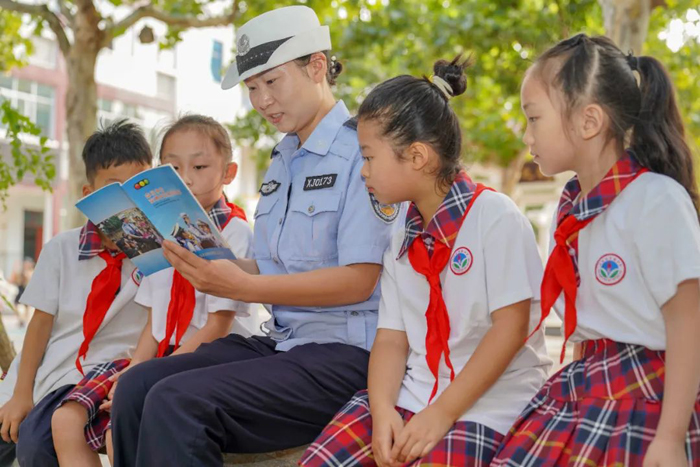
[631, 259]
[60, 286]
[155, 293]
[504, 267]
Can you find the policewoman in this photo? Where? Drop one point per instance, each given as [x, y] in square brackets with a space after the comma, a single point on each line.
[318, 245]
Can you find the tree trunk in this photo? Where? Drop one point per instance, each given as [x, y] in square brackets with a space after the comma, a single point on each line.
[512, 172]
[7, 351]
[81, 100]
[627, 22]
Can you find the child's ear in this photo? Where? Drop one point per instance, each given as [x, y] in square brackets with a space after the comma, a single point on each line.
[418, 155]
[87, 189]
[593, 120]
[231, 171]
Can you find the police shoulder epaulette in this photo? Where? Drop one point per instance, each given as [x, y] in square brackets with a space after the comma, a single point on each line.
[351, 123]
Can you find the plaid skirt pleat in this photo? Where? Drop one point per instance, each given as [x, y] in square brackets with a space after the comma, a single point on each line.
[90, 392]
[601, 410]
[347, 441]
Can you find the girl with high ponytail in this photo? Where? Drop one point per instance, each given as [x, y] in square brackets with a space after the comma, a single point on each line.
[623, 267]
[449, 371]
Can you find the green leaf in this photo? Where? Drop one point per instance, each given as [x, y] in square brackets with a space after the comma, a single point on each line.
[25, 159]
[14, 48]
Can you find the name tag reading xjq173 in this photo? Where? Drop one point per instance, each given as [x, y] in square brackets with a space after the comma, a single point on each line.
[318, 182]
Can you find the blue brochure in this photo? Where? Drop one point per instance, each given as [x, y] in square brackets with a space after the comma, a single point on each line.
[150, 207]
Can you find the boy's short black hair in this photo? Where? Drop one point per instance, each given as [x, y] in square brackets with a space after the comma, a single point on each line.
[118, 143]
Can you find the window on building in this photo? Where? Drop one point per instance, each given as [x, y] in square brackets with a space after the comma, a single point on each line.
[165, 86]
[109, 111]
[33, 234]
[45, 52]
[104, 113]
[104, 105]
[32, 99]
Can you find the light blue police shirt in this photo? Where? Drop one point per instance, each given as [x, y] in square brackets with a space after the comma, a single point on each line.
[314, 212]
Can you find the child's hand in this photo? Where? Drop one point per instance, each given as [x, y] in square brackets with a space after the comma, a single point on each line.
[12, 414]
[666, 453]
[107, 403]
[386, 427]
[421, 434]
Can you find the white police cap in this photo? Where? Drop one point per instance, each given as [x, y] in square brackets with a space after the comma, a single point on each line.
[275, 38]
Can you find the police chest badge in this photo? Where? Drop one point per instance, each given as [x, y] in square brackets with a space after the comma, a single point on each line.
[269, 187]
[386, 212]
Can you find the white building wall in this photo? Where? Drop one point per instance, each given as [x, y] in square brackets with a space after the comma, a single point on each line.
[182, 77]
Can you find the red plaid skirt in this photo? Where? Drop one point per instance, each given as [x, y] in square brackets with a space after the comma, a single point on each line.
[90, 392]
[602, 410]
[347, 441]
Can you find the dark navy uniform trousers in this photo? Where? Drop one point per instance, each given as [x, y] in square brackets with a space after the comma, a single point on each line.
[34, 443]
[234, 395]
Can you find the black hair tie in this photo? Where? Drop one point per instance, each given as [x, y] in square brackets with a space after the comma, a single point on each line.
[632, 61]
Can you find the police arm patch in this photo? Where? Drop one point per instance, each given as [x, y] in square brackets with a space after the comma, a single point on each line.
[387, 213]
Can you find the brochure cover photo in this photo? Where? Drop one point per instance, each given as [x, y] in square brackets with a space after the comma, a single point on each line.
[150, 207]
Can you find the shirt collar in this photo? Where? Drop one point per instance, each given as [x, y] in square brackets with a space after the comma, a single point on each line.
[445, 224]
[623, 172]
[219, 213]
[321, 139]
[90, 244]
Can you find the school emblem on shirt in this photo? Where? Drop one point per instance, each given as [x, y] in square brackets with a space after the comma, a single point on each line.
[269, 187]
[610, 269]
[386, 212]
[461, 261]
[136, 276]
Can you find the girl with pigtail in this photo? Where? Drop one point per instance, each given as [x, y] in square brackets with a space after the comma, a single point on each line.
[623, 267]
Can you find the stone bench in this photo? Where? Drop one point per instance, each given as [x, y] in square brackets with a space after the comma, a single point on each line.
[285, 458]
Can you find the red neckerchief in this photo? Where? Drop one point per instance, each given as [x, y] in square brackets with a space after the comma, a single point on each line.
[182, 296]
[104, 289]
[561, 272]
[430, 266]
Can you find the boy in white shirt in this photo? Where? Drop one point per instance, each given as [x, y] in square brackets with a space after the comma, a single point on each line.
[83, 291]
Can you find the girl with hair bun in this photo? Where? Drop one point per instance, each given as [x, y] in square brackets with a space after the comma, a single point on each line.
[449, 371]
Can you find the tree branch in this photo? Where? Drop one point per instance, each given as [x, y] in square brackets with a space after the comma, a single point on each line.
[41, 11]
[148, 11]
[65, 11]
